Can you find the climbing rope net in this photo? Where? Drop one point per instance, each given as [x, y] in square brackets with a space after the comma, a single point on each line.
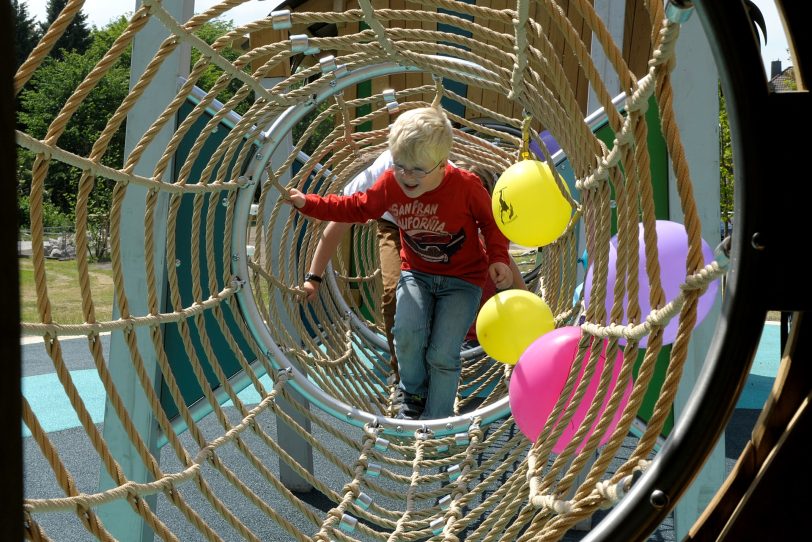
[213, 303]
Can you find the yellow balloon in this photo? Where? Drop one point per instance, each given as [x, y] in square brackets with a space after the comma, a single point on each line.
[510, 321]
[528, 206]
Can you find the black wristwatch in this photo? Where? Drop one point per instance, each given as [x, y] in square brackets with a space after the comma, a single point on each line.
[312, 277]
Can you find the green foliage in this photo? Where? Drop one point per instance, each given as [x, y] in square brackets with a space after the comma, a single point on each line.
[76, 36]
[41, 102]
[104, 37]
[726, 179]
[322, 130]
[50, 88]
[51, 216]
[209, 33]
[26, 33]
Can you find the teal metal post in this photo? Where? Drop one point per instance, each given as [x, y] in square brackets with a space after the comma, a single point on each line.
[119, 517]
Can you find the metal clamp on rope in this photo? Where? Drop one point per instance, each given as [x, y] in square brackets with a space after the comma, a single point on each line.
[237, 283]
[373, 470]
[280, 20]
[340, 71]
[243, 181]
[437, 525]
[299, 43]
[722, 253]
[363, 501]
[381, 444]
[678, 11]
[347, 523]
[283, 375]
[327, 64]
[391, 101]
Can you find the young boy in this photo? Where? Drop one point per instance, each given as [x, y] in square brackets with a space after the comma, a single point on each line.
[440, 211]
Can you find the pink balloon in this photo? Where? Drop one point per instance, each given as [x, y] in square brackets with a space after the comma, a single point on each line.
[539, 377]
[672, 245]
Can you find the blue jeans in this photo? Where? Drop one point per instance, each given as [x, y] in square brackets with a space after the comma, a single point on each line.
[432, 316]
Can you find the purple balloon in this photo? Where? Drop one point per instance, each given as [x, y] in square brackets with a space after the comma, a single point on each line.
[672, 246]
[549, 141]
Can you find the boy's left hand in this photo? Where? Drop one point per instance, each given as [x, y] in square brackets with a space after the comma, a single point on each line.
[500, 275]
[295, 198]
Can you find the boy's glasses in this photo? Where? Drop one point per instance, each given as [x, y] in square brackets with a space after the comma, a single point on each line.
[415, 173]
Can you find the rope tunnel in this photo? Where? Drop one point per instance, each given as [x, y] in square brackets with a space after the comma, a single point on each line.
[208, 260]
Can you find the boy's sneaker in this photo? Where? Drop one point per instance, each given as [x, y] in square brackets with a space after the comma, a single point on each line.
[408, 406]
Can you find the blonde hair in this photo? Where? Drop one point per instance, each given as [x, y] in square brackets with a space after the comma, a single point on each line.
[420, 136]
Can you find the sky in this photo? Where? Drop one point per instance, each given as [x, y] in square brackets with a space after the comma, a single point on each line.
[776, 48]
[100, 12]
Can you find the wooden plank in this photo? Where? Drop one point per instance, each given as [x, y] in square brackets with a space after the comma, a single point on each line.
[536, 13]
[322, 6]
[504, 105]
[473, 92]
[268, 36]
[429, 26]
[572, 68]
[397, 81]
[637, 45]
[490, 99]
[554, 35]
[412, 80]
[348, 29]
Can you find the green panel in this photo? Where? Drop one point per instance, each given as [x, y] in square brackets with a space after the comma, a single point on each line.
[363, 90]
[653, 391]
[173, 341]
[658, 155]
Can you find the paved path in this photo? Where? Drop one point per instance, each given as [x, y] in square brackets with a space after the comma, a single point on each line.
[44, 392]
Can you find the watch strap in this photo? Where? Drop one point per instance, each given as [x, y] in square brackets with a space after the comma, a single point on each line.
[312, 277]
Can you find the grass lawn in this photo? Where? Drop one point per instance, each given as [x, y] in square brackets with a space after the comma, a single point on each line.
[66, 299]
[64, 291]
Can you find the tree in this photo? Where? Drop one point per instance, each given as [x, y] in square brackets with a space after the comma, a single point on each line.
[209, 33]
[40, 103]
[726, 183]
[27, 34]
[76, 36]
[726, 176]
[44, 96]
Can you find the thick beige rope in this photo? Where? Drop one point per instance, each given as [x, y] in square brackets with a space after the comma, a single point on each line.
[505, 483]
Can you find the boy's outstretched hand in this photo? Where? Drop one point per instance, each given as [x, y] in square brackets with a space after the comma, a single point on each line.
[297, 198]
[500, 275]
[311, 290]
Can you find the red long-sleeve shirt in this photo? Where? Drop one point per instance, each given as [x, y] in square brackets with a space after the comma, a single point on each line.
[438, 229]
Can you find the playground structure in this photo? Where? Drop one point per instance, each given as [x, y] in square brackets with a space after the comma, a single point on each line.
[200, 315]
